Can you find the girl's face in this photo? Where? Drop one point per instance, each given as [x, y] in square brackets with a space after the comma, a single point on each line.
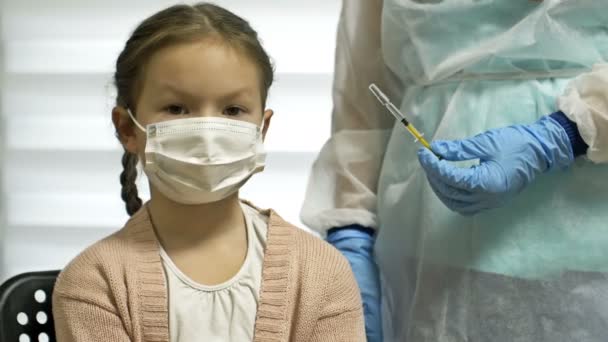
[204, 78]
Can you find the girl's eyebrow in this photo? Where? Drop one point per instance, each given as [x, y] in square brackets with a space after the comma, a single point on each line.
[240, 92]
[175, 89]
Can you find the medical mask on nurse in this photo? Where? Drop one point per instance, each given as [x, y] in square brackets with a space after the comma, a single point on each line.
[201, 160]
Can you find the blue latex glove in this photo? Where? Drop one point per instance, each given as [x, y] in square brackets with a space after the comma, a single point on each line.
[510, 158]
[357, 245]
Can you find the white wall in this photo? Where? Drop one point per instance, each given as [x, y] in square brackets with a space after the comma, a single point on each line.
[60, 171]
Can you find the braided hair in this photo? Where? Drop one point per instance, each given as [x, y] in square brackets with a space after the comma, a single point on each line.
[128, 176]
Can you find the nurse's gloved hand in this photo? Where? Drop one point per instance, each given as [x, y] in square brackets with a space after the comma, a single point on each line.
[357, 244]
[510, 158]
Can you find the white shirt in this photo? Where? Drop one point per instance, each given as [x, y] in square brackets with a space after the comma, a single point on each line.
[224, 312]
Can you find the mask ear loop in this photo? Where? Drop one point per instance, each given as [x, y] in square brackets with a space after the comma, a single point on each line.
[261, 131]
[135, 121]
[262, 126]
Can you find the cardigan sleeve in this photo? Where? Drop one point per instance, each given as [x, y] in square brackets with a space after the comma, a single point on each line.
[84, 307]
[341, 318]
[77, 320]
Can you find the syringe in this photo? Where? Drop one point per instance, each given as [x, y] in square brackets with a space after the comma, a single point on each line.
[384, 100]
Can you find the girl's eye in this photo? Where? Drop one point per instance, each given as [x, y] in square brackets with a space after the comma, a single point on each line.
[175, 110]
[233, 111]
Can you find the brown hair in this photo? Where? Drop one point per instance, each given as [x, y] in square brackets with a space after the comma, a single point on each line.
[177, 24]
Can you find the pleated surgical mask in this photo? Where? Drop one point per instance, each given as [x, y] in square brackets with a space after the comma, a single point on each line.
[203, 159]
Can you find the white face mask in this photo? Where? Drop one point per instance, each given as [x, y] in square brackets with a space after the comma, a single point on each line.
[202, 160]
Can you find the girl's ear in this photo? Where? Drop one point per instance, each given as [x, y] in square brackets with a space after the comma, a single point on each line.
[266, 120]
[125, 129]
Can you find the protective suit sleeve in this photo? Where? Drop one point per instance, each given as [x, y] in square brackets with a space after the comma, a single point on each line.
[342, 185]
[585, 102]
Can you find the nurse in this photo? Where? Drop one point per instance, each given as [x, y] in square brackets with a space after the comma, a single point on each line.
[506, 238]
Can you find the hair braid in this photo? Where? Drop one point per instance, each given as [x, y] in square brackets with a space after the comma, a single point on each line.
[127, 180]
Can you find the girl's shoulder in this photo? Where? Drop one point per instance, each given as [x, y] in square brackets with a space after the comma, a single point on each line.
[99, 266]
[305, 251]
[319, 280]
[95, 266]
[113, 280]
[311, 256]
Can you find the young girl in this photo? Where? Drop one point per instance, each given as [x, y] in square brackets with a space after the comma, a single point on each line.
[195, 263]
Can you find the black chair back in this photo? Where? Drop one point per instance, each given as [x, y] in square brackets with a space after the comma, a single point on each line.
[25, 308]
